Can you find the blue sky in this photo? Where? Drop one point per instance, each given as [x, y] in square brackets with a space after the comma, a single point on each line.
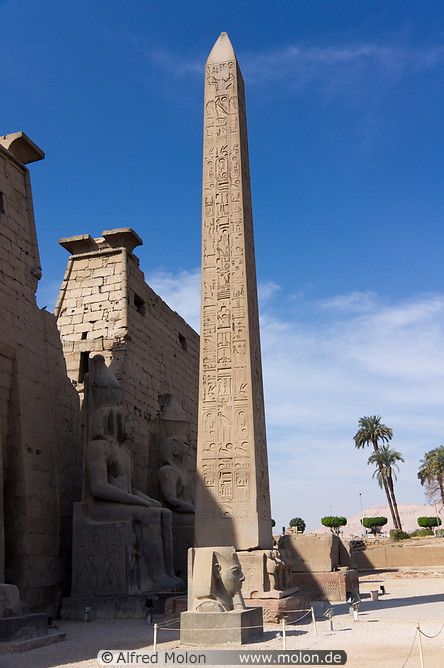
[345, 108]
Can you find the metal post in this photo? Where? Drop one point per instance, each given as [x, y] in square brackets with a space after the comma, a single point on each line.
[421, 658]
[284, 634]
[155, 638]
[314, 621]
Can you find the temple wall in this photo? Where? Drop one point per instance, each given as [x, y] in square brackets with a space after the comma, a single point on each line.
[39, 409]
[411, 553]
[105, 306]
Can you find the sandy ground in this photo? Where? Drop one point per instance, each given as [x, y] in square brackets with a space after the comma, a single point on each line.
[383, 636]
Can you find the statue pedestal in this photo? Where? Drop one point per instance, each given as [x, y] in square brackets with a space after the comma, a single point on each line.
[209, 629]
[259, 588]
[20, 631]
[183, 539]
[106, 572]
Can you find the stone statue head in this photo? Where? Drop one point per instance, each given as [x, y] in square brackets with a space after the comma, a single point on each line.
[216, 580]
[108, 423]
[229, 572]
[173, 450]
[175, 422]
[102, 389]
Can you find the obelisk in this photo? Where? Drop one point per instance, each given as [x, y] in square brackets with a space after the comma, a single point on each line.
[232, 498]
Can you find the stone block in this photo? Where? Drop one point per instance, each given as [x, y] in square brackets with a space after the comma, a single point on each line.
[328, 586]
[10, 603]
[311, 552]
[21, 627]
[210, 629]
[274, 609]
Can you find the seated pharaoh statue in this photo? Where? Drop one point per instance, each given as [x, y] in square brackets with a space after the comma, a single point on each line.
[171, 475]
[122, 539]
[177, 459]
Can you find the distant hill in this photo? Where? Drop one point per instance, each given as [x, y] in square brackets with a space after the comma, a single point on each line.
[408, 513]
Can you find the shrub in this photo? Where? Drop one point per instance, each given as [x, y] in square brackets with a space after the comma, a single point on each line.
[374, 523]
[429, 522]
[439, 533]
[398, 534]
[299, 523]
[334, 522]
[421, 533]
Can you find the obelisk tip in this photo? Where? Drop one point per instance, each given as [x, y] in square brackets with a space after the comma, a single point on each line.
[222, 50]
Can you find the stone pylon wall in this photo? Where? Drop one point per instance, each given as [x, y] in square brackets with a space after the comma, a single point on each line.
[106, 307]
[39, 409]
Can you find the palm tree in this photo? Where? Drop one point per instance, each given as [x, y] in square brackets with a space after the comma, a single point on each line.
[432, 469]
[386, 461]
[371, 431]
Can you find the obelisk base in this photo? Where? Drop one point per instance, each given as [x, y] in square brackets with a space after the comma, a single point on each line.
[210, 629]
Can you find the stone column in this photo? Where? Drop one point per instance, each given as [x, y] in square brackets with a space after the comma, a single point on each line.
[233, 500]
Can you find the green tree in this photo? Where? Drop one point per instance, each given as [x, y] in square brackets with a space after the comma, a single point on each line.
[372, 432]
[431, 471]
[386, 460]
[429, 522]
[334, 523]
[299, 523]
[374, 524]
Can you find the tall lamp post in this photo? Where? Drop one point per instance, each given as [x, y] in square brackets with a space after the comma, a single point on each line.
[360, 501]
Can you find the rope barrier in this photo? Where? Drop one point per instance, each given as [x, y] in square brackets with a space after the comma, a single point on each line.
[411, 649]
[172, 621]
[293, 621]
[427, 636]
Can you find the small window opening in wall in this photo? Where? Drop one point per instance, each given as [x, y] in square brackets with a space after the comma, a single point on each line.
[182, 341]
[83, 366]
[84, 335]
[2, 203]
[139, 304]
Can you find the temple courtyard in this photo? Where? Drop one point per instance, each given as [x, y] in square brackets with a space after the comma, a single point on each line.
[384, 635]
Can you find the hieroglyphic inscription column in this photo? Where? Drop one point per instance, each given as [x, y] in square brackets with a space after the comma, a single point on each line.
[233, 498]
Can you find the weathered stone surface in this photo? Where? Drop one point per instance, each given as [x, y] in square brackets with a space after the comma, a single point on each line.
[232, 497]
[332, 586]
[207, 629]
[266, 574]
[106, 307]
[10, 603]
[408, 554]
[274, 609]
[21, 627]
[40, 457]
[21, 147]
[311, 552]
[215, 580]
[176, 486]
[122, 539]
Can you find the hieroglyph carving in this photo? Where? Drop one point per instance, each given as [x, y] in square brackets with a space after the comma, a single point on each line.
[232, 456]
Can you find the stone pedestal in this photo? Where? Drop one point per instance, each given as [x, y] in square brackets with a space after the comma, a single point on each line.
[210, 629]
[183, 539]
[311, 552]
[106, 607]
[274, 609]
[106, 572]
[259, 587]
[23, 626]
[327, 586]
[20, 631]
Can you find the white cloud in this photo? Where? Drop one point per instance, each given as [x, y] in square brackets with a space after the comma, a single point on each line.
[328, 66]
[360, 355]
[180, 291]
